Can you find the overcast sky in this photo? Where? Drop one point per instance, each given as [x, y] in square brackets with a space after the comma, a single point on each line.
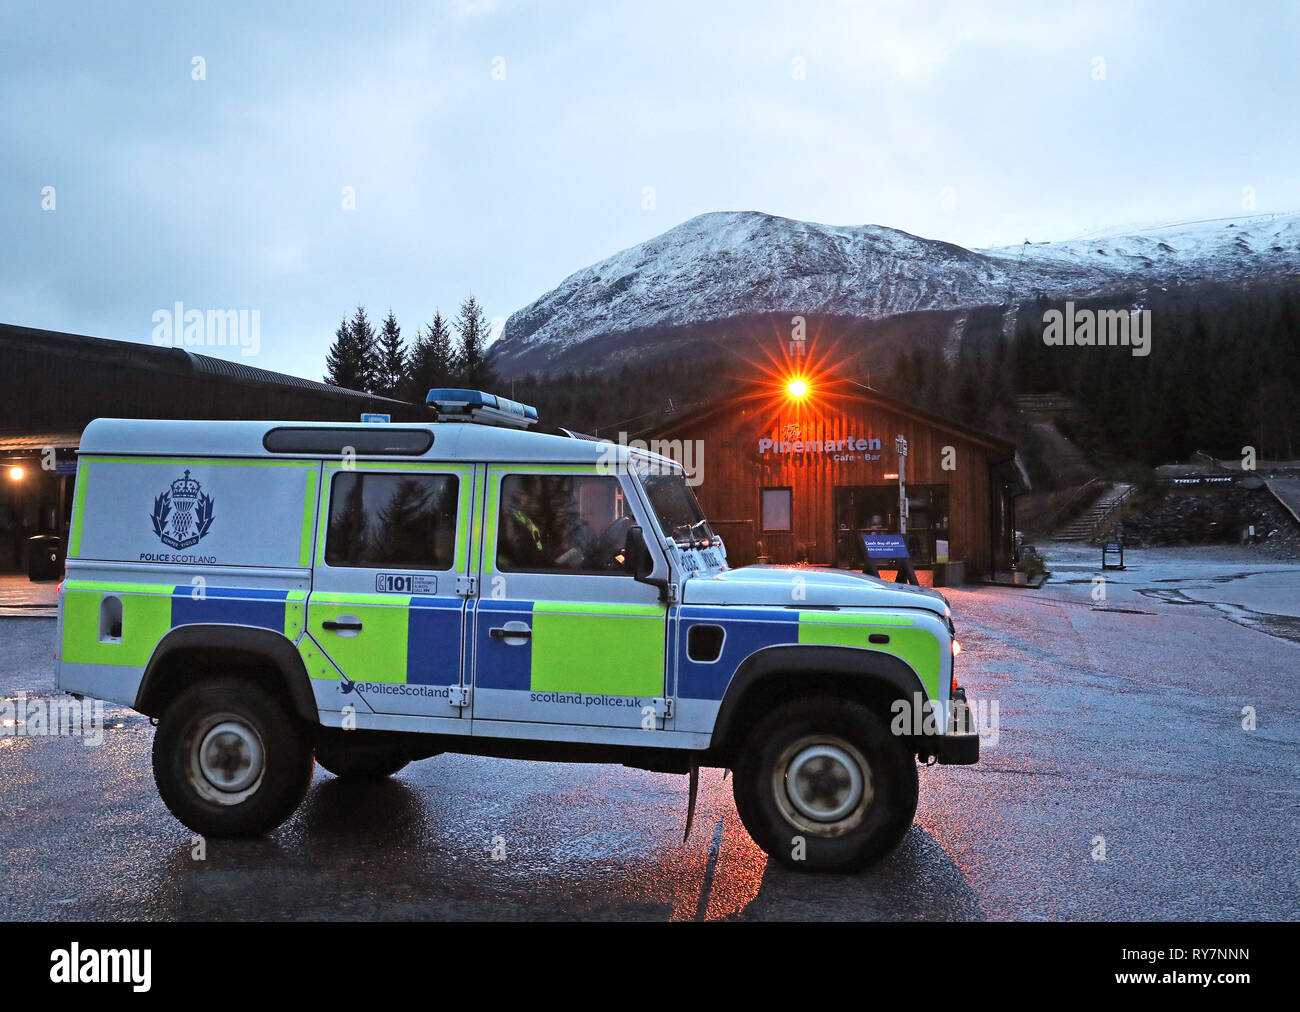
[1045, 120]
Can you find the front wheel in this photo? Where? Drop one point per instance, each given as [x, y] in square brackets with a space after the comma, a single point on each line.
[229, 759]
[821, 784]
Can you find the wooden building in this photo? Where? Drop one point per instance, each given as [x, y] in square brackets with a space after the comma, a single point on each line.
[795, 472]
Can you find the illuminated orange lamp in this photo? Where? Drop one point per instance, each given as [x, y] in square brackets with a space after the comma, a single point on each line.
[797, 388]
[16, 473]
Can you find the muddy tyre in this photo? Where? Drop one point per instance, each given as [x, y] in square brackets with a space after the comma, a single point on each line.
[821, 785]
[229, 759]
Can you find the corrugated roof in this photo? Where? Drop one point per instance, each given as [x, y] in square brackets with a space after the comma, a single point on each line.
[13, 441]
[251, 374]
[174, 360]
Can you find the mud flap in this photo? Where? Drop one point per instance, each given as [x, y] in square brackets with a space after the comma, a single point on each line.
[690, 804]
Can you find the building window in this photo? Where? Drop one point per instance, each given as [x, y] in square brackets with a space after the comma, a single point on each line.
[776, 509]
[873, 509]
[398, 521]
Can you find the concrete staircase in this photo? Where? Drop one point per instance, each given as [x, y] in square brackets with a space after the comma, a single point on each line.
[1082, 527]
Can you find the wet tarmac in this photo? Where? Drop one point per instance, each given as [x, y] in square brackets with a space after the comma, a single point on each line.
[1120, 784]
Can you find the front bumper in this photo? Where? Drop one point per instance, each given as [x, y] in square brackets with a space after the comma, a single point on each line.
[961, 745]
[954, 749]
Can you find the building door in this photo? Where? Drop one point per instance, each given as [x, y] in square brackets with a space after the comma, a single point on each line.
[927, 521]
[869, 509]
[562, 633]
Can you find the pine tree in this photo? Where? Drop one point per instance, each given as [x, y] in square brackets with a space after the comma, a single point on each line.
[392, 359]
[433, 360]
[366, 350]
[345, 364]
[476, 358]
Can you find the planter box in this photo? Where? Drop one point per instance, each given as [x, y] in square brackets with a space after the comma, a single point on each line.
[949, 574]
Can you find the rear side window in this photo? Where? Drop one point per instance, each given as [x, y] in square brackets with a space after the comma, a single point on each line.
[394, 521]
[551, 523]
[375, 441]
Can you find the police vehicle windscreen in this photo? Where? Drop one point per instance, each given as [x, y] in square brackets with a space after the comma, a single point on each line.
[676, 508]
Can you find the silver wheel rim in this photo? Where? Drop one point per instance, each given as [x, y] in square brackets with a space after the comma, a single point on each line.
[823, 785]
[227, 760]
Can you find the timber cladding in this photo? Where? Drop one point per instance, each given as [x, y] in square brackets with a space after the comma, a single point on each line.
[831, 449]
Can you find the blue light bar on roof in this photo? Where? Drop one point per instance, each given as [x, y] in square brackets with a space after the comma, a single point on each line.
[483, 408]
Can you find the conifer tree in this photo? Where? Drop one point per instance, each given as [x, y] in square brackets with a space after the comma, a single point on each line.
[366, 346]
[345, 363]
[475, 357]
[391, 358]
[433, 361]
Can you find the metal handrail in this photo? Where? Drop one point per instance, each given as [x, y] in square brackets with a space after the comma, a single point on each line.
[1101, 521]
[1070, 503]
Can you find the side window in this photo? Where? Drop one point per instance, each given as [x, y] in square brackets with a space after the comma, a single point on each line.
[398, 521]
[552, 523]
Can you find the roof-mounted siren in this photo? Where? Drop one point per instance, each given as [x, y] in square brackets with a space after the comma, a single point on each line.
[480, 407]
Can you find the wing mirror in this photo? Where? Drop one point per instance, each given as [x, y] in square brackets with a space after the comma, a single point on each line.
[640, 563]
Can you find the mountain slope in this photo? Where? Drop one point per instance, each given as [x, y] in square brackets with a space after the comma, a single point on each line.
[731, 264]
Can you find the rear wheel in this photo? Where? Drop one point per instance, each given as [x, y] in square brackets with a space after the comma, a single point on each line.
[821, 784]
[229, 759]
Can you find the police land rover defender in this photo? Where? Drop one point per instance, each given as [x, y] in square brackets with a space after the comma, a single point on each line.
[368, 595]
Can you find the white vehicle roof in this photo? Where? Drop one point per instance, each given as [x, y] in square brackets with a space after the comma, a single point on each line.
[458, 441]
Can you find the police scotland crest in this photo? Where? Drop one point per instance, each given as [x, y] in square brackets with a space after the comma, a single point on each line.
[182, 514]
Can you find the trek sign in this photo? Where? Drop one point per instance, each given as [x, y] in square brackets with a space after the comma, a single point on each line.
[848, 448]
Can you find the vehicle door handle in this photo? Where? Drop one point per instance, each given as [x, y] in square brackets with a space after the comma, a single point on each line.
[351, 624]
[500, 633]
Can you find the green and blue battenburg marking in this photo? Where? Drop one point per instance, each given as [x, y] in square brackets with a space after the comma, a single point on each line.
[749, 630]
[414, 639]
[409, 640]
[150, 611]
[611, 649]
[603, 649]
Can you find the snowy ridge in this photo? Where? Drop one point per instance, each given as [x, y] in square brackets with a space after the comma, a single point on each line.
[1219, 248]
[735, 263]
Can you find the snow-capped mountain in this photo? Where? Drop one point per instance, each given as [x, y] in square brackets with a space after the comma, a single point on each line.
[731, 264]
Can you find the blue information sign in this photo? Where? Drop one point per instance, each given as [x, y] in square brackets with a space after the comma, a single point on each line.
[884, 546]
[376, 418]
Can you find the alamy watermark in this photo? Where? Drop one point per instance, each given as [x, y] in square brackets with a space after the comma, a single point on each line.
[179, 327]
[689, 453]
[1099, 327]
[21, 717]
[917, 718]
[75, 965]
